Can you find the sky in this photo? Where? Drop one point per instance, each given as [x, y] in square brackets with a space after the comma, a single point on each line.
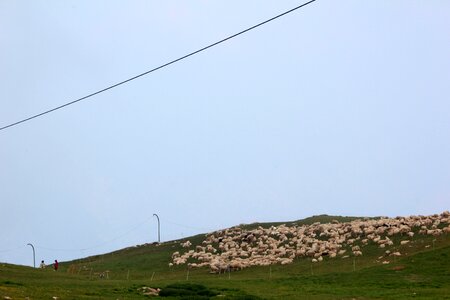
[340, 108]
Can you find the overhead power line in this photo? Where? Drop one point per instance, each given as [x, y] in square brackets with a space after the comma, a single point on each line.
[157, 68]
[12, 249]
[97, 245]
[188, 226]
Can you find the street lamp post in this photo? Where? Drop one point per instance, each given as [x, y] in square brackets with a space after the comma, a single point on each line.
[159, 229]
[34, 255]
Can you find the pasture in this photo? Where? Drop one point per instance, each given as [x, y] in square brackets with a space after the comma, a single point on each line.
[422, 272]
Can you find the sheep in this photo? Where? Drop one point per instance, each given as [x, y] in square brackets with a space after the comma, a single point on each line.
[192, 265]
[187, 244]
[341, 252]
[277, 244]
[286, 261]
[355, 248]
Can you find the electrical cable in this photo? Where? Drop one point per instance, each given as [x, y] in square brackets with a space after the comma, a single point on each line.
[189, 227]
[155, 69]
[98, 245]
[12, 249]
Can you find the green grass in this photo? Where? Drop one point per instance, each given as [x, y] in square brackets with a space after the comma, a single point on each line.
[423, 273]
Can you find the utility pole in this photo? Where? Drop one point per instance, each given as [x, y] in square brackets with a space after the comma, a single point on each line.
[159, 229]
[34, 255]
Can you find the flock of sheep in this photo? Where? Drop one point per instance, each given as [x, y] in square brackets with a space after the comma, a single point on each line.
[236, 248]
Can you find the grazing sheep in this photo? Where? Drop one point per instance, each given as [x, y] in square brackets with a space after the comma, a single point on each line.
[187, 244]
[236, 248]
[286, 261]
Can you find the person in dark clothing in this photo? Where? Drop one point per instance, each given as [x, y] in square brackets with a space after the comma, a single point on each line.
[55, 265]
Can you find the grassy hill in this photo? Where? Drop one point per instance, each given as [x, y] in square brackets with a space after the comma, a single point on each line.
[423, 272]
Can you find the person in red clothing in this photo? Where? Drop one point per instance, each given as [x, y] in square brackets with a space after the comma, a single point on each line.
[55, 265]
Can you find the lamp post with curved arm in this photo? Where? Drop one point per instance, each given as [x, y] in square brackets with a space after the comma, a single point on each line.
[159, 229]
[34, 255]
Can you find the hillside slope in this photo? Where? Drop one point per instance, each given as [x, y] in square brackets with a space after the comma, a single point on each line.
[422, 271]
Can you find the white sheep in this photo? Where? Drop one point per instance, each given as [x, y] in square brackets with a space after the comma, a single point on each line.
[186, 244]
[283, 243]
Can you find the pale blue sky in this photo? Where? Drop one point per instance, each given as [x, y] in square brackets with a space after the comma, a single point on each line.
[342, 107]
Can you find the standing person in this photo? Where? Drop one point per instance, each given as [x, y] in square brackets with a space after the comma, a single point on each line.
[55, 265]
[42, 265]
